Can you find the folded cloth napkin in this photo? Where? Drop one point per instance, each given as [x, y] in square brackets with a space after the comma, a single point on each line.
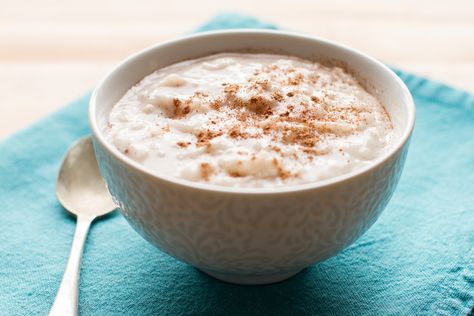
[418, 259]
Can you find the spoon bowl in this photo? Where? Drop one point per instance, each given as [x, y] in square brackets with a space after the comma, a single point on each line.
[80, 187]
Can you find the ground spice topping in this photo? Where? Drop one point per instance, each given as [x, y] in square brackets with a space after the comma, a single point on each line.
[250, 119]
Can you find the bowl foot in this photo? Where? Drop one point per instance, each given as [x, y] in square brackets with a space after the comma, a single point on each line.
[244, 279]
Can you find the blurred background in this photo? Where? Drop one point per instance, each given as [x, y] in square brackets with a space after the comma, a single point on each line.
[53, 51]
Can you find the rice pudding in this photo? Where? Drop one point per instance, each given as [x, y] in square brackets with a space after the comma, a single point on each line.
[250, 120]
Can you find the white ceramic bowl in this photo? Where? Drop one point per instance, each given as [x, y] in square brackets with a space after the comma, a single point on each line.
[251, 236]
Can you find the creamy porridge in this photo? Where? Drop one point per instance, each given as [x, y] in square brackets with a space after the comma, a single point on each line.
[250, 120]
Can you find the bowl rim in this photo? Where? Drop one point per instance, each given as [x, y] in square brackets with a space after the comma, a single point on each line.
[138, 167]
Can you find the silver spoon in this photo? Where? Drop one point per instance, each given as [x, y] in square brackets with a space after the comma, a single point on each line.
[82, 191]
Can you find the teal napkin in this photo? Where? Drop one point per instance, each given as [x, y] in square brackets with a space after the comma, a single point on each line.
[418, 259]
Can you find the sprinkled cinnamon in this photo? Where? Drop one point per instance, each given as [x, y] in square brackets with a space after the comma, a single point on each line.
[253, 106]
[282, 173]
[236, 132]
[295, 80]
[315, 99]
[206, 170]
[277, 96]
[181, 108]
[230, 88]
[235, 174]
[183, 144]
[205, 136]
[276, 115]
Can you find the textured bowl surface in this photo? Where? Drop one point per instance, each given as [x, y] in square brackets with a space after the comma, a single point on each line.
[252, 236]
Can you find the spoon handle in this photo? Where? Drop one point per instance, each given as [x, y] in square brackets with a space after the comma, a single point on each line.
[65, 303]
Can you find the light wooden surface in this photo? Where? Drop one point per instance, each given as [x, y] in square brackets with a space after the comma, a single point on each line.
[52, 51]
